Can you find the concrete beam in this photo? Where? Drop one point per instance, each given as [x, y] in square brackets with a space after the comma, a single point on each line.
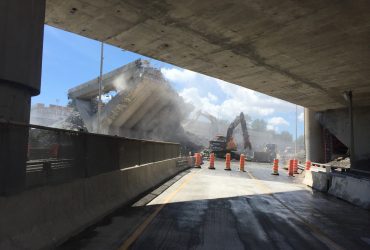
[22, 28]
[113, 80]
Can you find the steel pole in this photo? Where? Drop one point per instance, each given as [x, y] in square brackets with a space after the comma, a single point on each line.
[296, 120]
[100, 84]
[352, 139]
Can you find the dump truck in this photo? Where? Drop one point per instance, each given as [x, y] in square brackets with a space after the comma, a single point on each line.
[268, 155]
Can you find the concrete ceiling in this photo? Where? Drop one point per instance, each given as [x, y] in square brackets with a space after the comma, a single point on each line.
[305, 52]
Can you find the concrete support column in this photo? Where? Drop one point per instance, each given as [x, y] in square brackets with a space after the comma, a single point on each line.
[313, 137]
[21, 39]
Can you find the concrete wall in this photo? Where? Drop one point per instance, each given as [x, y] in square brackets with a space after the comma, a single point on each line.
[317, 180]
[44, 217]
[354, 190]
[337, 122]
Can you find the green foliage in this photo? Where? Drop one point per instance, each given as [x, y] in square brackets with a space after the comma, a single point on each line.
[285, 136]
[300, 141]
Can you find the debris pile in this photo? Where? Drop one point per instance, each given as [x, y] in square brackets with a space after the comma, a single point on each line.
[340, 162]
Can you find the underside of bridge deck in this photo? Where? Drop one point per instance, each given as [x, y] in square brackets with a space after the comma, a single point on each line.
[306, 52]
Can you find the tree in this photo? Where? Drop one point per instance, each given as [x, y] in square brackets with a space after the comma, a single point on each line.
[286, 136]
[300, 141]
[259, 125]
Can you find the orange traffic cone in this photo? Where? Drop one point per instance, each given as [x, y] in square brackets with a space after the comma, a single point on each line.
[212, 161]
[308, 165]
[242, 162]
[197, 160]
[228, 159]
[275, 168]
[290, 168]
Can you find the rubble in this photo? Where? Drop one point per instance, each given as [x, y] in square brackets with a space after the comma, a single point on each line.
[340, 162]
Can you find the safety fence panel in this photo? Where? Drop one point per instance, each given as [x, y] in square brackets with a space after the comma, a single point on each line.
[102, 154]
[129, 153]
[57, 155]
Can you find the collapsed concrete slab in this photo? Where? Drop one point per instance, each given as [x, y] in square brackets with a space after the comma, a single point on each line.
[142, 105]
[338, 123]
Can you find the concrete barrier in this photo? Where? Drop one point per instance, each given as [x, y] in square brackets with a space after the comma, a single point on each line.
[352, 189]
[317, 180]
[44, 217]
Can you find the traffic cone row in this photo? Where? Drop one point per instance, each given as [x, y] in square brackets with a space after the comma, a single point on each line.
[198, 161]
[292, 168]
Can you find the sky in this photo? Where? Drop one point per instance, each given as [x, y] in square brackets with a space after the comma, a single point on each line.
[70, 59]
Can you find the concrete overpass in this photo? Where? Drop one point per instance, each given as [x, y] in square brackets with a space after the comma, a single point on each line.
[144, 104]
[307, 53]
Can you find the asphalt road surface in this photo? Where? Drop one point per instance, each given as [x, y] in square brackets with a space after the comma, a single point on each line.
[218, 209]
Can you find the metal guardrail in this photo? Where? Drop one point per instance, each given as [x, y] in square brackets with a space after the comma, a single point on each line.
[328, 167]
[48, 164]
[58, 155]
[322, 165]
[348, 170]
[301, 166]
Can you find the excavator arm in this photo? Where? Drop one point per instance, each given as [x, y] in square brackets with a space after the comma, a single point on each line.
[211, 118]
[230, 144]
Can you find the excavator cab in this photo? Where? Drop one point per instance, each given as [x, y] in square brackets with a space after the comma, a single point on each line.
[231, 144]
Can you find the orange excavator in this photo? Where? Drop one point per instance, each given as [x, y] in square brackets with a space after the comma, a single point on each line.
[226, 144]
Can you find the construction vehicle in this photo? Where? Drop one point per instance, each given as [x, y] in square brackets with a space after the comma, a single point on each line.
[226, 144]
[267, 155]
